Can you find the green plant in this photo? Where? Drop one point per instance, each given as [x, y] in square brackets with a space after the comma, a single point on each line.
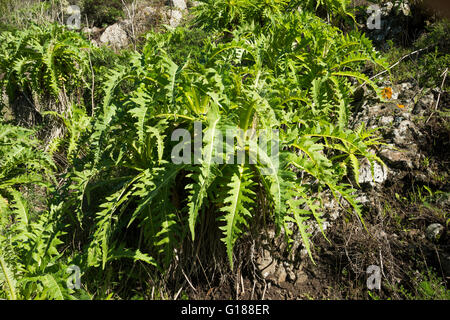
[180, 43]
[292, 77]
[255, 67]
[44, 64]
[76, 123]
[426, 67]
[229, 14]
[20, 163]
[31, 266]
[218, 15]
[103, 13]
[331, 7]
[428, 287]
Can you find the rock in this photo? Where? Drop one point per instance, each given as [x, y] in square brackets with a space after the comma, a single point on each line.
[403, 91]
[325, 225]
[291, 276]
[304, 253]
[332, 207]
[434, 232]
[150, 11]
[386, 120]
[365, 174]
[375, 110]
[363, 199]
[397, 158]
[302, 277]
[266, 264]
[281, 275]
[146, 18]
[424, 103]
[93, 30]
[175, 18]
[271, 269]
[95, 43]
[115, 36]
[394, 16]
[178, 4]
[86, 30]
[404, 133]
[405, 86]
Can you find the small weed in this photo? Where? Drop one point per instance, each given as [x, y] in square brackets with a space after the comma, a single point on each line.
[428, 286]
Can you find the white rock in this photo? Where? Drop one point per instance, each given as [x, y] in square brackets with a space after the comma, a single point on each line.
[86, 30]
[395, 95]
[114, 35]
[175, 18]
[403, 134]
[150, 11]
[406, 86]
[179, 4]
[363, 199]
[386, 120]
[365, 174]
[93, 30]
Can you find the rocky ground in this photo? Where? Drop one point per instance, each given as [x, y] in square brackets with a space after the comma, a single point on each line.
[140, 19]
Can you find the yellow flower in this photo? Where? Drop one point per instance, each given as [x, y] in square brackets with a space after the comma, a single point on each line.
[401, 106]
